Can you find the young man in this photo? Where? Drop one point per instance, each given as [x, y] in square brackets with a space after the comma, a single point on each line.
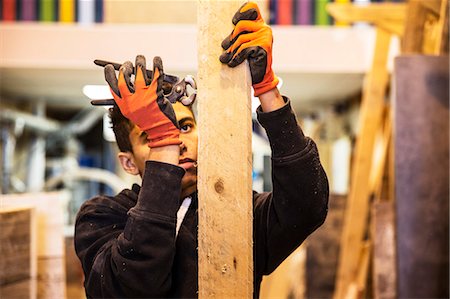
[143, 242]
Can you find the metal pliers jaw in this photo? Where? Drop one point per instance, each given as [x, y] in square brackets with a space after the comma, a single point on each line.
[174, 89]
[181, 93]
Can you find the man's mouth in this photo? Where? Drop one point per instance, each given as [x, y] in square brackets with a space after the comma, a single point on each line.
[187, 163]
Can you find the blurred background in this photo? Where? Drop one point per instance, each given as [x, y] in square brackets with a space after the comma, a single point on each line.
[336, 67]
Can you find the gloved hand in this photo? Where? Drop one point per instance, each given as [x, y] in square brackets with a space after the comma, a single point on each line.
[144, 103]
[251, 39]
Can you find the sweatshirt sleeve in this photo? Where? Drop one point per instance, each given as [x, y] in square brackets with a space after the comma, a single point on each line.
[129, 252]
[298, 202]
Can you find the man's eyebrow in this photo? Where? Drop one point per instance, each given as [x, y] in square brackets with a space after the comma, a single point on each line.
[187, 118]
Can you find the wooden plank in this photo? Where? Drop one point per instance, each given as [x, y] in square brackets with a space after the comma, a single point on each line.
[394, 26]
[388, 192]
[426, 29]
[357, 207]
[442, 46]
[297, 273]
[384, 252]
[50, 239]
[323, 251]
[414, 29]
[224, 156]
[18, 252]
[434, 6]
[389, 16]
[363, 269]
[289, 278]
[379, 165]
[422, 175]
[372, 13]
[357, 288]
[19, 290]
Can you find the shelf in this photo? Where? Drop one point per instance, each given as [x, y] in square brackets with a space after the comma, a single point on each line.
[54, 61]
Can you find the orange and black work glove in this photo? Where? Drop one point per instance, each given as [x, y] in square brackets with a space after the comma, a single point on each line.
[144, 103]
[251, 39]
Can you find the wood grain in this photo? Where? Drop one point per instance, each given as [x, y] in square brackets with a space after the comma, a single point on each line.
[224, 186]
[18, 253]
[384, 251]
[49, 227]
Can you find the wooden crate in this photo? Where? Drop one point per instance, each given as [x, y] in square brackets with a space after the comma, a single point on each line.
[18, 252]
[49, 226]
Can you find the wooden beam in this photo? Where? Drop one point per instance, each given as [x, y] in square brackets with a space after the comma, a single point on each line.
[414, 28]
[379, 166]
[426, 29]
[441, 46]
[396, 27]
[384, 251]
[372, 13]
[224, 155]
[358, 202]
[289, 278]
[433, 6]
[389, 16]
[357, 287]
[363, 269]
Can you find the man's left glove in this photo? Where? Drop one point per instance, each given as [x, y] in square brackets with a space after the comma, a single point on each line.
[144, 103]
[251, 39]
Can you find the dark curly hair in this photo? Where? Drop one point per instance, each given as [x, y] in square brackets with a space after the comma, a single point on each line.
[122, 128]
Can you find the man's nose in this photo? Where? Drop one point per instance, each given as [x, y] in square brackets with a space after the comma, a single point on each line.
[182, 147]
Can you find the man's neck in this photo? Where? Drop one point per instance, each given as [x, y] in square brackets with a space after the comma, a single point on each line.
[188, 191]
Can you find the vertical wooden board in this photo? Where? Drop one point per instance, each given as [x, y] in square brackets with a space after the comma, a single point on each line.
[363, 270]
[413, 35]
[384, 254]
[379, 172]
[422, 175]
[441, 46]
[355, 223]
[18, 253]
[224, 155]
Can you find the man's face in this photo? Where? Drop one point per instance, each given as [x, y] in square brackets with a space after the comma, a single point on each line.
[188, 148]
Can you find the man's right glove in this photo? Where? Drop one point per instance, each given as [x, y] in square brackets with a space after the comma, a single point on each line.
[144, 103]
[251, 39]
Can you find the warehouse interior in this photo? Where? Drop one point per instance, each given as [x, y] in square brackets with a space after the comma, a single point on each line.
[370, 85]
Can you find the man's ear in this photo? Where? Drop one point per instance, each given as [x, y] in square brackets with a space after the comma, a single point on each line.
[126, 159]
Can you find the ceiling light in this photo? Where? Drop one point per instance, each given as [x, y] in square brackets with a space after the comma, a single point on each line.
[97, 92]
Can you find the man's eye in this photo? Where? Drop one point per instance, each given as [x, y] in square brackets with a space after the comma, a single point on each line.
[185, 128]
[143, 138]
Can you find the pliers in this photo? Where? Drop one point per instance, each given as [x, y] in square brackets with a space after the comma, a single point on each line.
[174, 89]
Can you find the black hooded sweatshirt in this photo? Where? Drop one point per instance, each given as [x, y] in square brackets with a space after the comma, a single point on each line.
[128, 244]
